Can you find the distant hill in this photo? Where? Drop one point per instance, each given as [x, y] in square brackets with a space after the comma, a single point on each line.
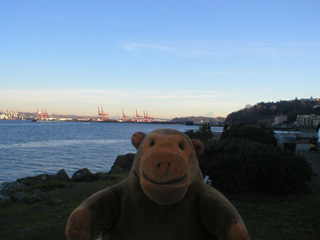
[261, 111]
[197, 119]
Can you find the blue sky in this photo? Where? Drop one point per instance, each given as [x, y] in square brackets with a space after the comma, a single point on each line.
[171, 58]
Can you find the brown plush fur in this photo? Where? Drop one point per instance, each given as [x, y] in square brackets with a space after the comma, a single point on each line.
[164, 197]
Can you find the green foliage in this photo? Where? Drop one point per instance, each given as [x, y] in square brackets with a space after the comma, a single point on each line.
[239, 165]
[260, 134]
[247, 159]
[204, 134]
[252, 115]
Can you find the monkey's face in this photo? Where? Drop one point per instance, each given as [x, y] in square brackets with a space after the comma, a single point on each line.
[166, 166]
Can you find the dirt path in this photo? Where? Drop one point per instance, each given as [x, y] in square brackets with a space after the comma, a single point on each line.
[313, 158]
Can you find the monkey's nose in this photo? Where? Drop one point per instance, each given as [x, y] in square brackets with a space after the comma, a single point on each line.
[163, 167]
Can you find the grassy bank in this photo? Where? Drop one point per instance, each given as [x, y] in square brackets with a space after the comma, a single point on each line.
[275, 217]
[47, 220]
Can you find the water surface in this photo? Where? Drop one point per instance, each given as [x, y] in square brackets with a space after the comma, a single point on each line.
[32, 148]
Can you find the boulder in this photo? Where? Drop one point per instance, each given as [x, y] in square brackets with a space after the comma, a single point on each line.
[34, 198]
[123, 163]
[115, 169]
[33, 180]
[8, 188]
[60, 176]
[83, 175]
[63, 175]
[18, 196]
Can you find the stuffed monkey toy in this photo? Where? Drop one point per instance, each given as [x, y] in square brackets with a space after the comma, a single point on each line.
[163, 198]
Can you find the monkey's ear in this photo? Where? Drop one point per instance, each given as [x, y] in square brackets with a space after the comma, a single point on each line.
[198, 147]
[137, 138]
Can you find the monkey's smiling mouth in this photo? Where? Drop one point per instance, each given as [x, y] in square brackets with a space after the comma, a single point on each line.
[164, 183]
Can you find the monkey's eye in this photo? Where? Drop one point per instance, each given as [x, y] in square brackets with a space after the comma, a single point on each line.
[151, 144]
[181, 146]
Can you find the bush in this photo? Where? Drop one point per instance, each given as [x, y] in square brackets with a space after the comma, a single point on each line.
[242, 165]
[204, 134]
[260, 134]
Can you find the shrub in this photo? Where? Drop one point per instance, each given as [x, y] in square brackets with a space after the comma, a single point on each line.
[204, 134]
[242, 165]
[260, 134]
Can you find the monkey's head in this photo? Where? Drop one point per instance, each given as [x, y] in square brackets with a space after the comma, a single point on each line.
[166, 164]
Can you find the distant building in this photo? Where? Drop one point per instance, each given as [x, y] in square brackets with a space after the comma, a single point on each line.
[8, 115]
[311, 99]
[307, 120]
[316, 121]
[280, 119]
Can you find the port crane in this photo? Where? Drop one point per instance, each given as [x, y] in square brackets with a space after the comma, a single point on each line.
[45, 114]
[146, 116]
[123, 115]
[137, 115]
[42, 114]
[102, 113]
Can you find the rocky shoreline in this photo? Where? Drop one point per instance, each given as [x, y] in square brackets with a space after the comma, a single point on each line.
[32, 190]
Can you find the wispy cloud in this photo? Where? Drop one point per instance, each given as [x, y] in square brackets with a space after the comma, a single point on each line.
[214, 48]
[178, 49]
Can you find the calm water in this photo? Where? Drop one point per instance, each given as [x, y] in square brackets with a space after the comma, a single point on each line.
[29, 149]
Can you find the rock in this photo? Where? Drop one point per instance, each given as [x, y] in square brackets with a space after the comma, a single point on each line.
[33, 180]
[63, 175]
[60, 176]
[34, 198]
[9, 188]
[18, 196]
[83, 175]
[4, 199]
[123, 163]
[115, 169]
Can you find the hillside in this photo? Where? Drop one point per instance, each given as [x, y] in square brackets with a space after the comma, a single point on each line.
[197, 119]
[254, 114]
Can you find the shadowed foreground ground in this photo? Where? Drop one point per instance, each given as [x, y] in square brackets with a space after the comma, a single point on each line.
[267, 216]
[313, 158]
